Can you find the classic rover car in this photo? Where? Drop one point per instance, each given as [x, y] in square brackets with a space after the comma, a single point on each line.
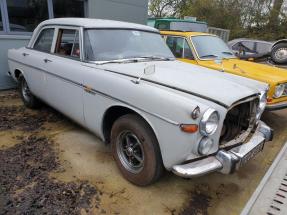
[121, 81]
[212, 52]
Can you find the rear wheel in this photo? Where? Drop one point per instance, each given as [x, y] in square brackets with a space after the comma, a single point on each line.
[279, 53]
[28, 98]
[136, 150]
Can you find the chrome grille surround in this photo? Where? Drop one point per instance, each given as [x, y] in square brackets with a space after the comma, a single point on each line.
[244, 134]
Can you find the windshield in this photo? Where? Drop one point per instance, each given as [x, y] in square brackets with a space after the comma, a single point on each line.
[211, 47]
[111, 45]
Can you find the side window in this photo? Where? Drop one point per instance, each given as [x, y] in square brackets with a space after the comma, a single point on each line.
[247, 46]
[176, 45]
[44, 40]
[68, 43]
[187, 51]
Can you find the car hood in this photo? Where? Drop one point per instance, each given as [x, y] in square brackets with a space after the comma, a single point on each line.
[221, 88]
[265, 73]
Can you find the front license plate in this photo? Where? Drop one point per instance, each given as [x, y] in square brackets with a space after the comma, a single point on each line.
[252, 154]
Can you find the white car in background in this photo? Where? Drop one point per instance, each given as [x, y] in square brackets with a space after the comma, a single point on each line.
[121, 81]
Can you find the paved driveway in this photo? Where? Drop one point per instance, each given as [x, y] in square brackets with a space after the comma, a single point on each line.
[83, 157]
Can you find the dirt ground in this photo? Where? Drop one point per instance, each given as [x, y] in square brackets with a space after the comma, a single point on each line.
[50, 165]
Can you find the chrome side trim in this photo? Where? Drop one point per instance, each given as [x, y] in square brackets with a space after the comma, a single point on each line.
[277, 106]
[94, 92]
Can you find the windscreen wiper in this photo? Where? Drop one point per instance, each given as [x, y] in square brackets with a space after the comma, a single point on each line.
[157, 58]
[118, 61]
[210, 55]
[228, 53]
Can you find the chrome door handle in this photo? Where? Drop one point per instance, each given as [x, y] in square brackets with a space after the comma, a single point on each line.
[25, 54]
[47, 60]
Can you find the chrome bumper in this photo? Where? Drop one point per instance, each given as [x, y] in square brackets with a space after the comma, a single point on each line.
[224, 161]
[277, 106]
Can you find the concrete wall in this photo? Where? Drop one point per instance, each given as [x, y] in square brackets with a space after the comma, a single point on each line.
[8, 42]
[123, 10]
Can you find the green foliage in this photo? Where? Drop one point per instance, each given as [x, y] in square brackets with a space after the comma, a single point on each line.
[260, 19]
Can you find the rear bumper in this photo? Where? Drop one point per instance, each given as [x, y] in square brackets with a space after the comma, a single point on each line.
[278, 106]
[224, 161]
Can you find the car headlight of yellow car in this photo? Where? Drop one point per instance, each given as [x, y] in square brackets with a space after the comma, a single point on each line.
[279, 90]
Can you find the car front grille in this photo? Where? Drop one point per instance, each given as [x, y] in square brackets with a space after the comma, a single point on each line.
[241, 118]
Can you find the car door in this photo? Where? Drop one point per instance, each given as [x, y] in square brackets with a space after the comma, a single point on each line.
[247, 49]
[64, 78]
[180, 48]
[33, 59]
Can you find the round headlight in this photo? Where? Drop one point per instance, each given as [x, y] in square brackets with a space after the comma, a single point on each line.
[209, 122]
[205, 146]
[279, 90]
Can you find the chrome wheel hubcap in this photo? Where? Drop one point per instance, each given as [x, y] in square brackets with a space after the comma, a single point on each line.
[281, 54]
[26, 91]
[130, 151]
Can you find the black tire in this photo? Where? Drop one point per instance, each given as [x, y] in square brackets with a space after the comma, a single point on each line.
[27, 97]
[279, 53]
[137, 130]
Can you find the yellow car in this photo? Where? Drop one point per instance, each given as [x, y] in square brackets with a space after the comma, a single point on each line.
[210, 51]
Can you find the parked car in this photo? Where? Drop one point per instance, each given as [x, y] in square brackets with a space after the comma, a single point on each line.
[121, 81]
[249, 48]
[279, 52]
[210, 51]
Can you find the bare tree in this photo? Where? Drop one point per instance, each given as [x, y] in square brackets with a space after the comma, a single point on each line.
[163, 8]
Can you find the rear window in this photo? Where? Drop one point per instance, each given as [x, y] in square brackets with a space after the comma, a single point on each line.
[45, 40]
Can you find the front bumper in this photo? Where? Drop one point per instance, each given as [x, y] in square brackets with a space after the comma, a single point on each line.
[277, 106]
[224, 161]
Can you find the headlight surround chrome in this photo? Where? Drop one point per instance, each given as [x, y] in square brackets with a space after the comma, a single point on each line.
[279, 90]
[209, 122]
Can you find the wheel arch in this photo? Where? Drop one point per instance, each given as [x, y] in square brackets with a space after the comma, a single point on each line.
[279, 42]
[115, 112]
[17, 73]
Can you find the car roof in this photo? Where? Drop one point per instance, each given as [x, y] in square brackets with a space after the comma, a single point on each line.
[177, 20]
[97, 23]
[186, 33]
[248, 39]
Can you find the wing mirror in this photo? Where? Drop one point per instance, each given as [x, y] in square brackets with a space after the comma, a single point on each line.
[219, 61]
[149, 70]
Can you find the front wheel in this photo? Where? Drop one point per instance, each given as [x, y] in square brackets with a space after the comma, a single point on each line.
[279, 53]
[136, 150]
[28, 98]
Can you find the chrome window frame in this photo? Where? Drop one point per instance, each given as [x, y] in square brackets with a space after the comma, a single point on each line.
[185, 39]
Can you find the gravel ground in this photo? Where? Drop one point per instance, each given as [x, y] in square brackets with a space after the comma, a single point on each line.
[49, 165]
